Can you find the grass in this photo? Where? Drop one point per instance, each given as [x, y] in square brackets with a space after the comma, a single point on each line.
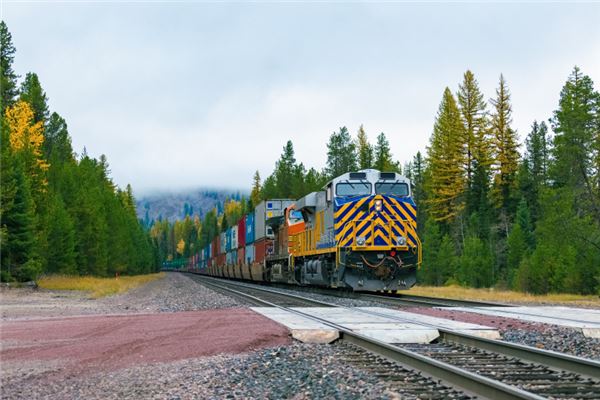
[97, 287]
[503, 296]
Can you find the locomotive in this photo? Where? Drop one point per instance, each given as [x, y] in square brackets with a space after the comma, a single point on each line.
[358, 233]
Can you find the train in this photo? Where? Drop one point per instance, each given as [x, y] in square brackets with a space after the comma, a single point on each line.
[358, 233]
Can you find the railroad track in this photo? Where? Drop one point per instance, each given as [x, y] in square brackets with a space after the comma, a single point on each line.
[424, 301]
[482, 367]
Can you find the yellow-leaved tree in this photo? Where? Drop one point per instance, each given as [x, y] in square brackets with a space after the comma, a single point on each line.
[180, 246]
[26, 140]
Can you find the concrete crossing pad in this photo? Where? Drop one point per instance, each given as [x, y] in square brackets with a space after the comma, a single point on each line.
[585, 319]
[387, 325]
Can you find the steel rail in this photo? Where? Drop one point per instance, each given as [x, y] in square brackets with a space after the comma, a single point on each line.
[559, 361]
[429, 301]
[466, 380]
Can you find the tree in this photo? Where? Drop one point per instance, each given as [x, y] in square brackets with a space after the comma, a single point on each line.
[341, 153]
[61, 239]
[284, 171]
[20, 249]
[476, 264]
[26, 141]
[473, 115]
[8, 78]
[383, 156]
[475, 142]
[255, 197]
[439, 258]
[445, 157]
[520, 240]
[505, 150]
[576, 151]
[32, 93]
[533, 172]
[365, 150]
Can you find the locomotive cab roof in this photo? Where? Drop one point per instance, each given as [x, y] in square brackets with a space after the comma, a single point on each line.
[368, 181]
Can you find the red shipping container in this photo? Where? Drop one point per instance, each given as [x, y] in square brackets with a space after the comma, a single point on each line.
[262, 248]
[242, 233]
[218, 246]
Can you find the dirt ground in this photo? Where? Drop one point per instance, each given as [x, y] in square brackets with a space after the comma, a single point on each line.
[50, 336]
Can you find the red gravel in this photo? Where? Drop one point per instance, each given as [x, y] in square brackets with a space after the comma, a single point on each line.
[475, 318]
[116, 341]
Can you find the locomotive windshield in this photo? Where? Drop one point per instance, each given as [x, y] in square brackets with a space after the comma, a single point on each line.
[392, 188]
[352, 188]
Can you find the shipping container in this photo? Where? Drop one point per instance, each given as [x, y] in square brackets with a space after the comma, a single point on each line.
[241, 233]
[222, 243]
[249, 254]
[250, 228]
[262, 248]
[228, 240]
[265, 210]
[240, 256]
[234, 237]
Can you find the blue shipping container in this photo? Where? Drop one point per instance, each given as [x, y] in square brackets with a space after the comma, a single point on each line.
[228, 240]
[249, 254]
[250, 228]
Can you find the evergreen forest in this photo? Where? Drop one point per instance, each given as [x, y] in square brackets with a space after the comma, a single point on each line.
[60, 212]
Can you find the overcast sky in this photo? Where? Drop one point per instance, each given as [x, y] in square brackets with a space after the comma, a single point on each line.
[188, 94]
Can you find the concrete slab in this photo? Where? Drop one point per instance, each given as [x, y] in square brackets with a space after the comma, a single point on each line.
[387, 325]
[379, 327]
[587, 320]
[303, 329]
[463, 327]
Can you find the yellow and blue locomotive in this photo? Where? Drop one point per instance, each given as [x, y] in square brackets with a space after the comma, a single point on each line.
[358, 233]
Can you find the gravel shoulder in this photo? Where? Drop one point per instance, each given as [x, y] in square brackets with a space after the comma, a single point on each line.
[175, 292]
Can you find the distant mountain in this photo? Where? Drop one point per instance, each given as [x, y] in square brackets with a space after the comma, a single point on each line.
[177, 205]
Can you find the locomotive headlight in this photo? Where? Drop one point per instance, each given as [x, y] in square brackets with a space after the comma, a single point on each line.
[378, 205]
[360, 240]
[401, 240]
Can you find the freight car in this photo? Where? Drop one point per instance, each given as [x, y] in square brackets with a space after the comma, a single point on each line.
[358, 233]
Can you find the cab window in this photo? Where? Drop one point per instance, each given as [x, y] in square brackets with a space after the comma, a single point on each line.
[352, 188]
[392, 188]
[295, 217]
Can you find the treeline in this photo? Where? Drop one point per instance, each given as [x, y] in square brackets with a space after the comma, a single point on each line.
[492, 215]
[59, 213]
[184, 238]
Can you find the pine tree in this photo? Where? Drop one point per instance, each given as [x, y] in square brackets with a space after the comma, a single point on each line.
[383, 156]
[473, 114]
[255, 197]
[533, 172]
[8, 78]
[476, 143]
[20, 222]
[284, 171]
[476, 264]
[341, 153]
[445, 184]
[364, 149]
[32, 93]
[61, 239]
[505, 150]
[576, 141]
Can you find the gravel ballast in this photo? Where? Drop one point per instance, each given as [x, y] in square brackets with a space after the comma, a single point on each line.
[543, 336]
[297, 371]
